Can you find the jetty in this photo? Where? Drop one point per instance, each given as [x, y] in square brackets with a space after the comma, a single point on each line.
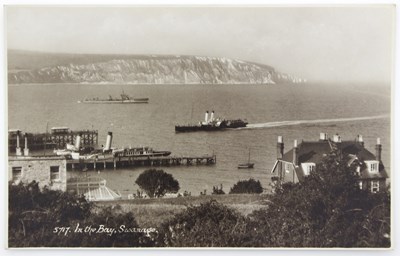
[82, 156]
[110, 162]
[57, 138]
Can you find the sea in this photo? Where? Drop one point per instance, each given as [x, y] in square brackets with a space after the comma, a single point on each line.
[294, 111]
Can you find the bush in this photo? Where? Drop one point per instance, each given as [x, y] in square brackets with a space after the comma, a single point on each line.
[327, 209]
[218, 190]
[157, 182]
[36, 217]
[247, 187]
[209, 225]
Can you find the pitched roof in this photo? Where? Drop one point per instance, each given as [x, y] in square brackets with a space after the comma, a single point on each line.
[309, 151]
[354, 148]
[314, 151]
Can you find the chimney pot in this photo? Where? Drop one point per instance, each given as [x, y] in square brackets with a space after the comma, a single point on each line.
[323, 136]
[360, 140]
[378, 150]
[336, 138]
[295, 151]
[279, 147]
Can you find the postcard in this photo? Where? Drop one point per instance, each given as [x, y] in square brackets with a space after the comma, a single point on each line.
[224, 126]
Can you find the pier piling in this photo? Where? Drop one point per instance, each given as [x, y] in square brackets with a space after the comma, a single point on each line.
[140, 161]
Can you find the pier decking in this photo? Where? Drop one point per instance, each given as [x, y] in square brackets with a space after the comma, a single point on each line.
[100, 162]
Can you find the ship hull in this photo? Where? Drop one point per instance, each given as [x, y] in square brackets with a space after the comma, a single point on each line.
[246, 166]
[230, 124]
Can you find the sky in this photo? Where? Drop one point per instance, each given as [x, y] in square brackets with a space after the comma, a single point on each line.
[345, 44]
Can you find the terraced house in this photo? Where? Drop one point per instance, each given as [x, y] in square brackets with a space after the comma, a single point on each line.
[298, 162]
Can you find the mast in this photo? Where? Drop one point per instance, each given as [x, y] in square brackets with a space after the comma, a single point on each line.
[45, 138]
[191, 114]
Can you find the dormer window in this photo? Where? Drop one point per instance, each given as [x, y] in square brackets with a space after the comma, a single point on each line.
[372, 166]
[308, 167]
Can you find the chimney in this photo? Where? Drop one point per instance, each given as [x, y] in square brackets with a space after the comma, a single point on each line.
[279, 148]
[78, 141]
[336, 138]
[26, 149]
[295, 151]
[323, 136]
[212, 116]
[360, 140]
[206, 117]
[108, 142]
[18, 149]
[378, 150]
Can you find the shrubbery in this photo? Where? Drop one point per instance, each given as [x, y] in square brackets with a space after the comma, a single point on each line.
[247, 187]
[209, 225]
[327, 209]
[37, 219]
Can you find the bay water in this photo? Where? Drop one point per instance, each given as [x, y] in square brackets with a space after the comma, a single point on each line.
[293, 111]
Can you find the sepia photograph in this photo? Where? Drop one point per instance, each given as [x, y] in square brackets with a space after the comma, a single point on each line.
[207, 126]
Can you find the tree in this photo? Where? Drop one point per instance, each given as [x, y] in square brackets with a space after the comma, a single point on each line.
[247, 187]
[157, 182]
[327, 209]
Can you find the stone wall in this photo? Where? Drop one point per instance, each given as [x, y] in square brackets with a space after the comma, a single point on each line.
[38, 169]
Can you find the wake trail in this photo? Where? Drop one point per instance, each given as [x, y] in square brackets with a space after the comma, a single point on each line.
[316, 121]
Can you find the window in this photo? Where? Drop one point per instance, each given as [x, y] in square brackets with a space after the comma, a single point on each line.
[360, 184]
[308, 167]
[373, 166]
[54, 173]
[374, 186]
[16, 173]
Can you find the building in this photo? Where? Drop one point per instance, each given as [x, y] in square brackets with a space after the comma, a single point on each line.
[49, 171]
[298, 162]
[92, 188]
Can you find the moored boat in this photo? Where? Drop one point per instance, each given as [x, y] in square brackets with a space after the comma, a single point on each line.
[247, 165]
[139, 151]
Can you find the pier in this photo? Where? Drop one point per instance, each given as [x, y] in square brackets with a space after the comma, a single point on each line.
[58, 138]
[101, 163]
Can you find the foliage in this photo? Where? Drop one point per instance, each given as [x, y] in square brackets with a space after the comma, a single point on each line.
[157, 182]
[209, 225]
[247, 187]
[36, 219]
[327, 209]
[218, 190]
